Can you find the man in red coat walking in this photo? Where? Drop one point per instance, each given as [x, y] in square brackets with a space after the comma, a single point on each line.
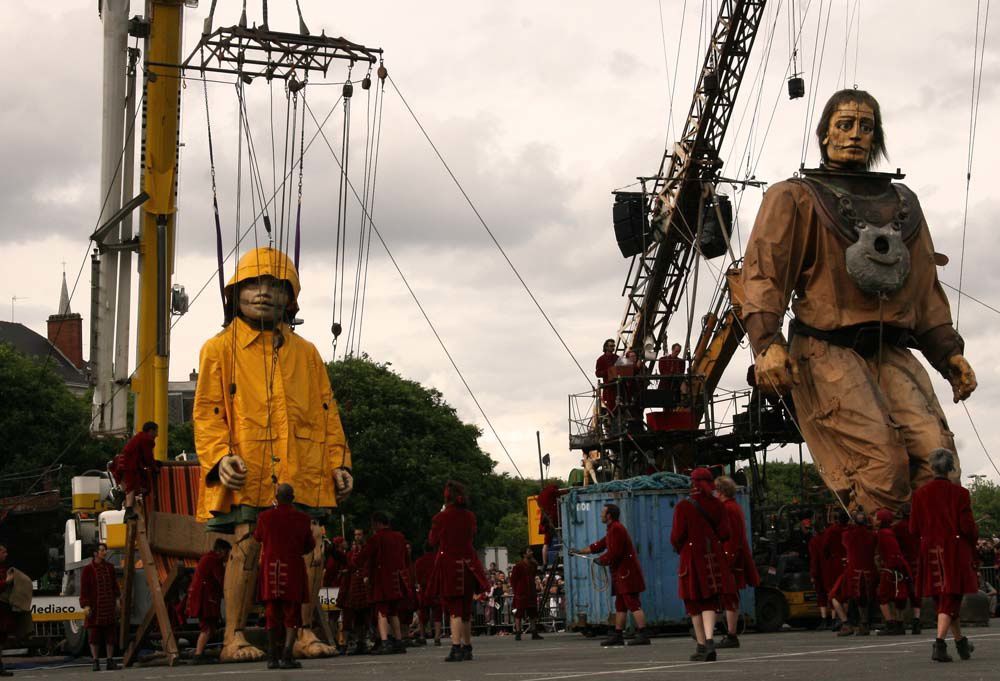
[700, 528]
[626, 576]
[910, 546]
[894, 576]
[204, 599]
[99, 599]
[522, 581]
[285, 536]
[428, 609]
[137, 466]
[387, 564]
[859, 583]
[815, 550]
[458, 574]
[834, 559]
[739, 556]
[942, 519]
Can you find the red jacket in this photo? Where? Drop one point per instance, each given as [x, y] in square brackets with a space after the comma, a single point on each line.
[457, 569]
[941, 517]
[356, 591]
[605, 362]
[99, 592]
[205, 593]
[894, 570]
[737, 547]
[522, 581]
[910, 546]
[703, 572]
[285, 536]
[619, 555]
[548, 511]
[334, 569]
[422, 569]
[860, 577]
[387, 564]
[136, 464]
[834, 555]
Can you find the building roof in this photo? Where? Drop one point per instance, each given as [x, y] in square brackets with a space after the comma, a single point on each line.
[32, 344]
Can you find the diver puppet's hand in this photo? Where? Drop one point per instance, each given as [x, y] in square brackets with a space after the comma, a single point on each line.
[961, 376]
[775, 371]
[232, 472]
[343, 483]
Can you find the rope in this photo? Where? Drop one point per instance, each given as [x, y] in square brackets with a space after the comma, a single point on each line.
[423, 312]
[490, 233]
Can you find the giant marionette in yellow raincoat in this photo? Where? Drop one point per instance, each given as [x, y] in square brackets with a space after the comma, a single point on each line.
[264, 414]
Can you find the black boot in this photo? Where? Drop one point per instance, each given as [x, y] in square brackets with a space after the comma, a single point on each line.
[614, 639]
[467, 652]
[3, 670]
[455, 655]
[399, 646]
[535, 636]
[964, 647]
[273, 649]
[97, 665]
[710, 655]
[386, 648]
[699, 654]
[729, 641]
[640, 638]
[939, 653]
[288, 661]
[916, 627]
[359, 648]
[111, 666]
[517, 636]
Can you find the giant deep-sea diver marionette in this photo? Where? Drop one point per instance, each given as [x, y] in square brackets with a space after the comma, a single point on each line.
[264, 414]
[852, 251]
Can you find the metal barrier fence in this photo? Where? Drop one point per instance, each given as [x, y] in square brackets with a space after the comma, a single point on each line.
[495, 615]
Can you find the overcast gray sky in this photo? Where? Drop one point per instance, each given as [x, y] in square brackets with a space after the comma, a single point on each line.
[541, 109]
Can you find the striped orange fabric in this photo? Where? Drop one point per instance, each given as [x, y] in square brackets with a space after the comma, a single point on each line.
[176, 491]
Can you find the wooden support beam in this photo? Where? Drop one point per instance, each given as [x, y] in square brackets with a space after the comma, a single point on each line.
[147, 621]
[159, 609]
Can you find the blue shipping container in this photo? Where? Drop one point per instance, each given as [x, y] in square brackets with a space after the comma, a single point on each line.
[648, 515]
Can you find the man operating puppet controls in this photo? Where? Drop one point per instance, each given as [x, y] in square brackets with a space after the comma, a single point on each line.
[265, 415]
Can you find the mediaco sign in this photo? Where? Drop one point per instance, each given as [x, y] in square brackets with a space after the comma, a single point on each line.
[328, 598]
[56, 609]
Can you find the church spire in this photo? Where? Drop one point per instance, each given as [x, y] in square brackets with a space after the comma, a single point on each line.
[64, 298]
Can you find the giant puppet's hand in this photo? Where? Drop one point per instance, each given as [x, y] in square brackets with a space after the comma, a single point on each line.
[232, 472]
[775, 371]
[343, 483]
[961, 376]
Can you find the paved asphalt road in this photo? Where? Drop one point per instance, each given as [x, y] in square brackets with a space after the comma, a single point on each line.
[811, 656]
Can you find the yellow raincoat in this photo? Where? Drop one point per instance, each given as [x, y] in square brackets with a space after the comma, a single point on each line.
[282, 419]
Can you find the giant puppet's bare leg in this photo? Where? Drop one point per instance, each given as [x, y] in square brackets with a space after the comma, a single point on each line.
[308, 644]
[239, 592]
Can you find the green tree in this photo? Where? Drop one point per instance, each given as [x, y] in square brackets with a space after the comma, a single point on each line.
[42, 423]
[986, 506]
[511, 532]
[180, 438]
[784, 482]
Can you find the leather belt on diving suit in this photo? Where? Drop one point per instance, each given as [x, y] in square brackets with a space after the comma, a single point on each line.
[862, 338]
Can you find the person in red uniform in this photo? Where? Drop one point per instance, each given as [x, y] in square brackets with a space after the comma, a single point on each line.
[859, 585]
[942, 520]
[204, 600]
[387, 565]
[910, 546]
[834, 558]
[618, 553]
[458, 574]
[894, 576]
[7, 622]
[525, 604]
[99, 599]
[700, 529]
[334, 570]
[285, 536]
[739, 556]
[356, 611]
[815, 550]
[605, 362]
[548, 518]
[137, 465]
[428, 609]
[408, 607]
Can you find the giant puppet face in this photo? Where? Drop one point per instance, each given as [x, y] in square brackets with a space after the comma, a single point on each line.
[263, 299]
[850, 136]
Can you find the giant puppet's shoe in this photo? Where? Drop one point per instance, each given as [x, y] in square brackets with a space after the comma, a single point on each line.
[308, 646]
[238, 649]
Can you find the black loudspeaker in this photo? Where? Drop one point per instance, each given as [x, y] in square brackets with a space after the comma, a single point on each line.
[714, 235]
[631, 223]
